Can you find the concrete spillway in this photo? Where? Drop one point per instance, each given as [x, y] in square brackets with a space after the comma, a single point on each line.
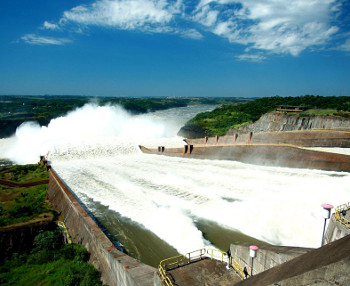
[261, 154]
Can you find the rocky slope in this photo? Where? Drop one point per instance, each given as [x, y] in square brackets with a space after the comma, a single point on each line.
[277, 121]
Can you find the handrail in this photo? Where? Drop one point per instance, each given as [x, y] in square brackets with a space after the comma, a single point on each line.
[237, 267]
[339, 216]
[216, 254]
[65, 231]
[180, 260]
[168, 263]
[164, 278]
[201, 252]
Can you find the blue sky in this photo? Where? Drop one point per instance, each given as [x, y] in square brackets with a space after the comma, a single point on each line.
[242, 48]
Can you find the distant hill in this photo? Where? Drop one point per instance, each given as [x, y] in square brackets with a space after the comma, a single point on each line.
[234, 116]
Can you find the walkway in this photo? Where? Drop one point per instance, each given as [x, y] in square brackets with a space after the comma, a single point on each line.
[209, 272]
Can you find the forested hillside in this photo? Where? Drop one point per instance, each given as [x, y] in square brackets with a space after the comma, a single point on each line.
[220, 120]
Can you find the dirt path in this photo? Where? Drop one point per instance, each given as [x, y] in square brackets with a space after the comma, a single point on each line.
[23, 185]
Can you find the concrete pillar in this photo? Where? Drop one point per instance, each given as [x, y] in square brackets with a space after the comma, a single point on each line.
[186, 149]
[250, 135]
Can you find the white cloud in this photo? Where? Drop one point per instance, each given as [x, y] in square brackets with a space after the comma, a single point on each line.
[192, 34]
[38, 40]
[251, 58]
[275, 26]
[346, 46]
[123, 14]
[50, 26]
[271, 26]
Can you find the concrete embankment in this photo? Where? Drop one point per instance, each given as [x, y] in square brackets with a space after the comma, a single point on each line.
[116, 267]
[267, 257]
[261, 154]
[328, 265]
[303, 138]
[19, 238]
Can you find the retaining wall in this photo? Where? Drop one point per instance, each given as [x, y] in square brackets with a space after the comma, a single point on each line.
[116, 267]
[261, 154]
[327, 265]
[19, 238]
[335, 230]
[304, 138]
[267, 256]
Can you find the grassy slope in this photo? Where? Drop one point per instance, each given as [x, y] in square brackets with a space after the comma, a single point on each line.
[22, 204]
[50, 263]
[220, 120]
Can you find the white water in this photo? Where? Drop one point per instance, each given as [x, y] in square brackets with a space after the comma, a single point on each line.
[94, 150]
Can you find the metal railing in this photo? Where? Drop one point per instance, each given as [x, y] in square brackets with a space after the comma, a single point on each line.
[66, 235]
[339, 214]
[195, 255]
[222, 256]
[237, 267]
[181, 260]
[217, 254]
[170, 263]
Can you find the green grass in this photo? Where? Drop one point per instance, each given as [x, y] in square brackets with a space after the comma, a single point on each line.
[20, 204]
[50, 263]
[25, 173]
[324, 112]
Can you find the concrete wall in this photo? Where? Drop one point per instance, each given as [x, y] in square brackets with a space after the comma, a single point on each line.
[304, 138]
[116, 267]
[267, 256]
[327, 265]
[19, 238]
[335, 230]
[262, 154]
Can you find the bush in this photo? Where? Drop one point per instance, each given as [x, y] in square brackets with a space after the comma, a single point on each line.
[74, 251]
[50, 263]
[48, 240]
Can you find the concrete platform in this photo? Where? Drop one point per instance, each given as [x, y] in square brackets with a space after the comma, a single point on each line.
[208, 272]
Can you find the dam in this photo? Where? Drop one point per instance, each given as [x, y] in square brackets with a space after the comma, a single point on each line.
[158, 207]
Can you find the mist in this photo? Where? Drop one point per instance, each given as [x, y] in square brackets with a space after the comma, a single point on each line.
[96, 130]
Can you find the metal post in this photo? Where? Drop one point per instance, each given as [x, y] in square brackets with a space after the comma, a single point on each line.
[252, 253]
[326, 215]
[251, 268]
[324, 229]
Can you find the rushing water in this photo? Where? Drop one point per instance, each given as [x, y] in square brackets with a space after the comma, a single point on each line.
[157, 206]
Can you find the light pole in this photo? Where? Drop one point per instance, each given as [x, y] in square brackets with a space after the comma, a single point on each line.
[252, 253]
[326, 214]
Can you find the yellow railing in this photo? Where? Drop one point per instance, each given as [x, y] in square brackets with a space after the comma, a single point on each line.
[222, 256]
[169, 263]
[63, 227]
[217, 254]
[339, 216]
[237, 267]
[196, 255]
